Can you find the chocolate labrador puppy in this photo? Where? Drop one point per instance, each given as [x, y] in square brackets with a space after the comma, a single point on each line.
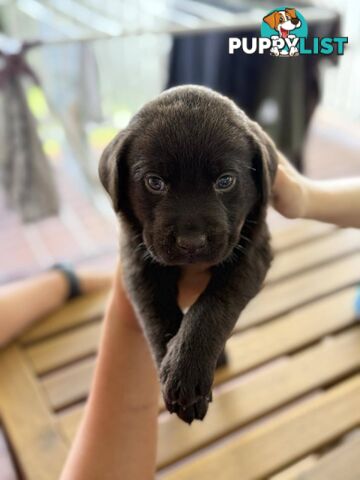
[190, 178]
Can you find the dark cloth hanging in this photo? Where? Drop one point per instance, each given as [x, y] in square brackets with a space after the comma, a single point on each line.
[25, 173]
[281, 94]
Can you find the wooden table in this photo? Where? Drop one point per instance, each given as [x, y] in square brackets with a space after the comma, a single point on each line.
[286, 407]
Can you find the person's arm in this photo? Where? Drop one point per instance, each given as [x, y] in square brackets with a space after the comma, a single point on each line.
[332, 201]
[24, 302]
[335, 201]
[117, 437]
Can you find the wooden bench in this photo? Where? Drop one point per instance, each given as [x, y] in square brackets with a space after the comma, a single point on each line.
[286, 407]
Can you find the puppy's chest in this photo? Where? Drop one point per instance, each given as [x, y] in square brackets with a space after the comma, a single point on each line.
[192, 282]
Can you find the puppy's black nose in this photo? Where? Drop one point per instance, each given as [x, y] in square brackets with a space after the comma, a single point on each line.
[294, 21]
[191, 243]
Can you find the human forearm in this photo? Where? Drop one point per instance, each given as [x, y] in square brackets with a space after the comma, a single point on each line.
[23, 302]
[334, 201]
[121, 416]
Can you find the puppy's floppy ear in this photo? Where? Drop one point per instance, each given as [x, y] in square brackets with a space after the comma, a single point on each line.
[291, 12]
[113, 170]
[272, 19]
[265, 161]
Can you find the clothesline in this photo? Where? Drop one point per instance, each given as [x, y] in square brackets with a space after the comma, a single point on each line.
[176, 30]
[244, 21]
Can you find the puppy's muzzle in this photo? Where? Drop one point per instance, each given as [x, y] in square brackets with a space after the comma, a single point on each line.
[191, 244]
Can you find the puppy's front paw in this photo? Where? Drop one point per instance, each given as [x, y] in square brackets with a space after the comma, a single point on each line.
[186, 384]
[196, 411]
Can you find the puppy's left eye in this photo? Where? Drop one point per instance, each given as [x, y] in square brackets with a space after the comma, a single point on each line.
[225, 182]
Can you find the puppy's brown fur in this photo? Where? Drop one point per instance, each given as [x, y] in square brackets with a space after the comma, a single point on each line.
[189, 140]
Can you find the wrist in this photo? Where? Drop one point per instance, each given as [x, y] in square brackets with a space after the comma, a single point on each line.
[307, 193]
[312, 199]
[302, 191]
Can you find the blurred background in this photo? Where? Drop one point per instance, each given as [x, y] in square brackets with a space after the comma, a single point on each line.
[85, 67]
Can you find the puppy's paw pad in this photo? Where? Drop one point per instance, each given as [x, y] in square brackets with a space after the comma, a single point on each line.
[197, 411]
[187, 391]
[184, 381]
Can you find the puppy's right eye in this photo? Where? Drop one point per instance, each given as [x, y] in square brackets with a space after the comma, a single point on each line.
[155, 184]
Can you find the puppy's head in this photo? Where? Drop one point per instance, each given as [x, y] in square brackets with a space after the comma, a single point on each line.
[187, 172]
[283, 21]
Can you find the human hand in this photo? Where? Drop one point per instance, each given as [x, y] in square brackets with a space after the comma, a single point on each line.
[290, 191]
[122, 408]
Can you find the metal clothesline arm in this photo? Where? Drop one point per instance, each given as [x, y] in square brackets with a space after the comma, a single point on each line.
[79, 23]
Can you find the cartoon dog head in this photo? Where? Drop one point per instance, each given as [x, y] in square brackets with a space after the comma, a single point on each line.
[283, 21]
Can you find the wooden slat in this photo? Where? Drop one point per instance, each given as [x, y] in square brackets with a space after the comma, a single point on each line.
[285, 437]
[297, 232]
[69, 384]
[74, 313]
[252, 396]
[272, 301]
[33, 433]
[7, 469]
[292, 331]
[245, 351]
[82, 309]
[339, 463]
[64, 348]
[295, 471]
[65, 338]
[260, 393]
[69, 422]
[342, 463]
[276, 299]
[321, 250]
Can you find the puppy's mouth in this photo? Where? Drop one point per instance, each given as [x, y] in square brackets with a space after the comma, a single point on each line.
[211, 256]
[209, 247]
[192, 259]
[176, 259]
[284, 33]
